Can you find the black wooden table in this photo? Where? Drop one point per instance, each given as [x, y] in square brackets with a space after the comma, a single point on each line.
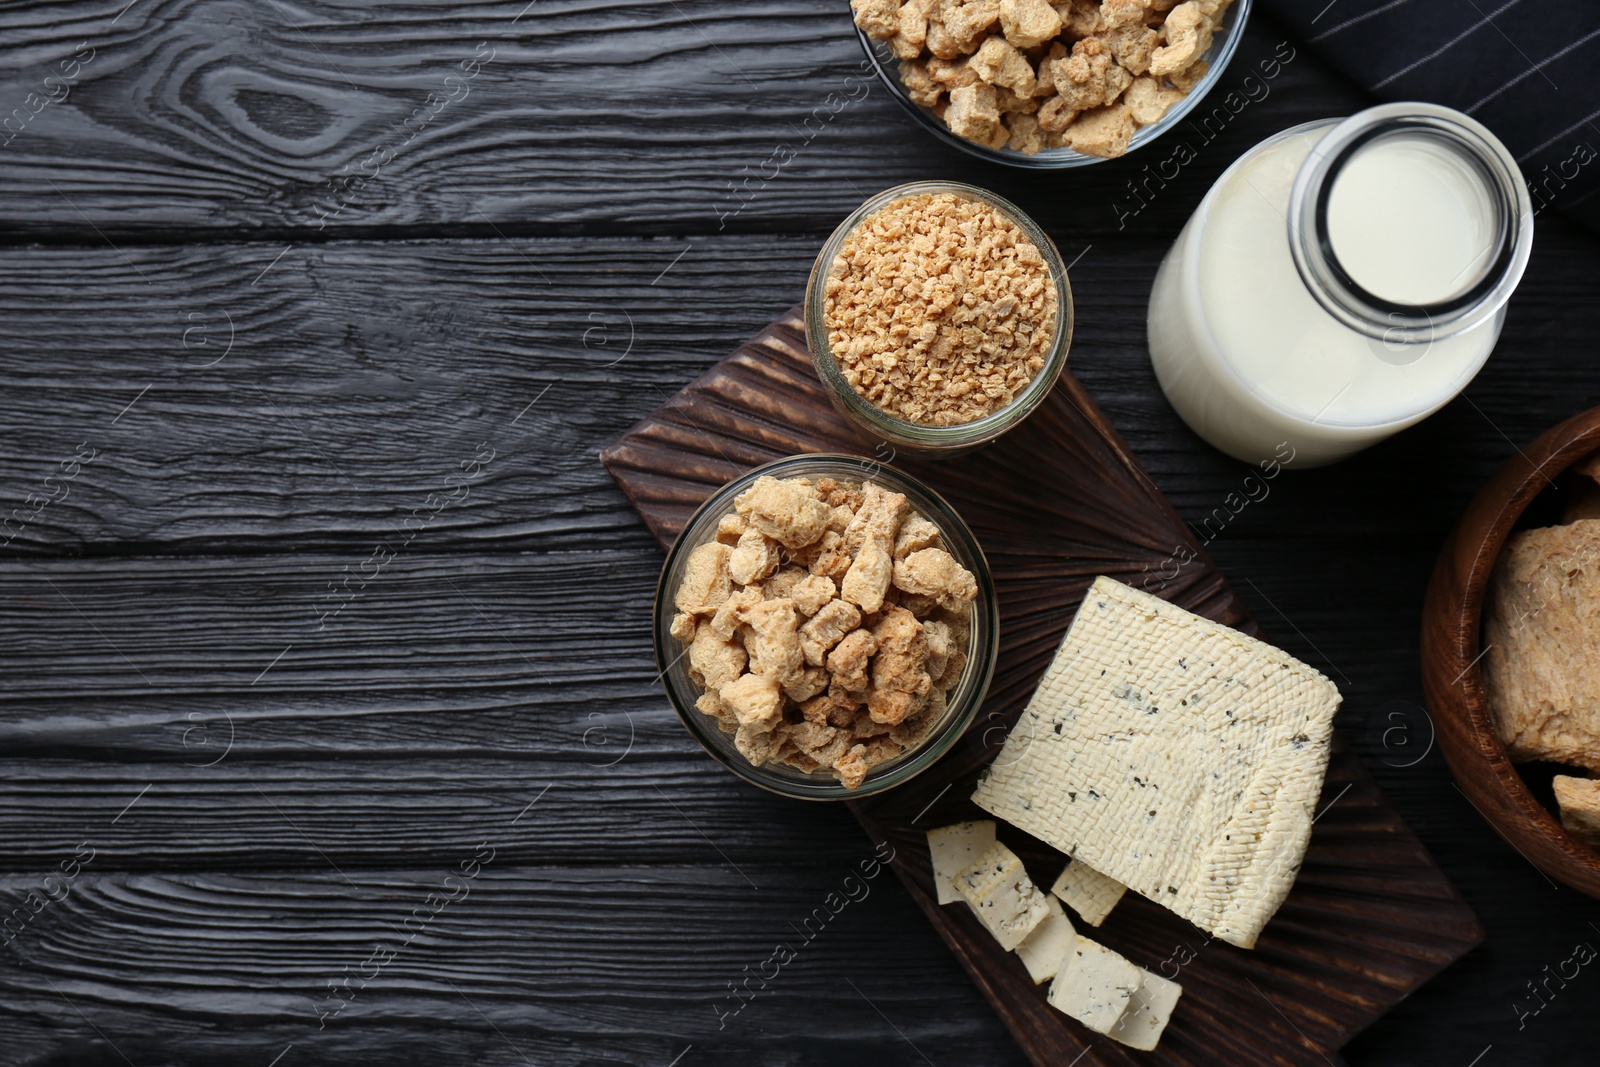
[323, 627]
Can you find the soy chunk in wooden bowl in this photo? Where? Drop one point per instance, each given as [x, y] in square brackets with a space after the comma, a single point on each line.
[1469, 681]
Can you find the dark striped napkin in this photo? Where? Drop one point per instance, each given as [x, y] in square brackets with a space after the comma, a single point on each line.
[1527, 69]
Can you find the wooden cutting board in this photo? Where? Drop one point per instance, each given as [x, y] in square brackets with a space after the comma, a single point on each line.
[1055, 503]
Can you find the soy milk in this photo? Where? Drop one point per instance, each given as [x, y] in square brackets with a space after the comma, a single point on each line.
[1334, 318]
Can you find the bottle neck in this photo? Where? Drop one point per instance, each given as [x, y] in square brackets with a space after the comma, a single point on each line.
[1378, 283]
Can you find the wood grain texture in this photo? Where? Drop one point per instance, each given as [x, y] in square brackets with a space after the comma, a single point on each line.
[363, 373]
[599, 173]
[1054, 503]
[301, 117]
[506, 630]
[1452, 654]
[285, 815]
[527, 964]
[359, 379]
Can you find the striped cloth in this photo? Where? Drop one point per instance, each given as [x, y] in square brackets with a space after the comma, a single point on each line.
[1527, 69]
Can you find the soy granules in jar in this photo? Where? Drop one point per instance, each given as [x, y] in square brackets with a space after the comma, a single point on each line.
[939, 309]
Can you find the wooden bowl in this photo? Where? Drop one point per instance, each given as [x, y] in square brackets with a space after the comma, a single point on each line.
[1452, 652]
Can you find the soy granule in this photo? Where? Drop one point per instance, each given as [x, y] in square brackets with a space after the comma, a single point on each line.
[939, 309]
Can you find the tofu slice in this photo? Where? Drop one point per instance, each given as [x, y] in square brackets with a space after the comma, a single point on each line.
[1095, 986]
[1089, 893]
[1043, 950]
[1148, 1012]
[1178, 756]
[1003, 896]
[955, 848]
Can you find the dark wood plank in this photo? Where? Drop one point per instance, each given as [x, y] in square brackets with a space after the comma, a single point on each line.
[360, 379]
[526, 964]
[363, 374]
[1054, 503]
[186, 983]
[427, 634]
[662, 806]
[667, 117]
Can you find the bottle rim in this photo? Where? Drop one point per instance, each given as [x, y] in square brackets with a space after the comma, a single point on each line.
[1330, 282]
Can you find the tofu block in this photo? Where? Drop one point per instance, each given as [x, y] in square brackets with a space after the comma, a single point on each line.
[1094, 986]
[1173, 754]
[1148, 1012]
[1580, 807]
[1043, 950]
[955, 848]
[1091, 894]
[1003, 896]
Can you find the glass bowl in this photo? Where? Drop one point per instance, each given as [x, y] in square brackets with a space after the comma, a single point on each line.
[878, 425]
[1224, 42]
[963, 698]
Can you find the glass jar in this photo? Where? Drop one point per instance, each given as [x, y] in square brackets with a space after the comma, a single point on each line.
[962, 700]
[877, 425]
[1340, 282]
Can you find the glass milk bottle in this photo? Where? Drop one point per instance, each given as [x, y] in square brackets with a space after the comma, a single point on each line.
[1340, 282]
